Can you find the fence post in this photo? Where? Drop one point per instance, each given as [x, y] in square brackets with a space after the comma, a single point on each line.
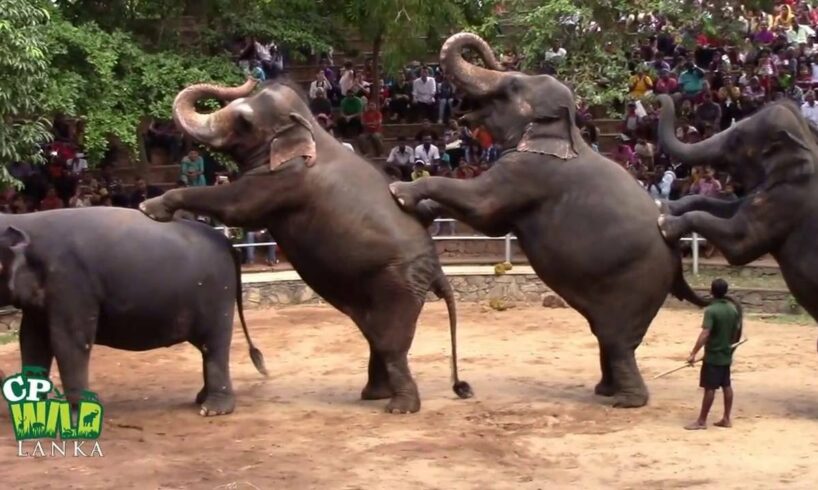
[695, 254]
[508, 247]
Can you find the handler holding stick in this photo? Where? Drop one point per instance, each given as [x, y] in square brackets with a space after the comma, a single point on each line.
[720, 330]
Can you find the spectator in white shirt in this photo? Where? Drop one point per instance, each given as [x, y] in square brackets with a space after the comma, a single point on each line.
[426, 151]
[402, 157]
[77, 165]
[423, 95]
[320, 82]
[810, 109]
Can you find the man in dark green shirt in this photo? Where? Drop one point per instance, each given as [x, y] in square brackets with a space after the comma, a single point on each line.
[720, 330]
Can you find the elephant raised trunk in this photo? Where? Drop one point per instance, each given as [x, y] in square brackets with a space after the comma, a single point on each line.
[208, 128]
[702, 153]
[474, 80]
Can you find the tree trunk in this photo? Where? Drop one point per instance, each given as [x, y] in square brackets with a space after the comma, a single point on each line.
[375, 93]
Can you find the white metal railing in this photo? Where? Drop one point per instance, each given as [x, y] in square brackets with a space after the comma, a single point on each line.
[694, 238]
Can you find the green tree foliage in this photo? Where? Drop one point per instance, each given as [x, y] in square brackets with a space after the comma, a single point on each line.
[23, 66]
[597, 35]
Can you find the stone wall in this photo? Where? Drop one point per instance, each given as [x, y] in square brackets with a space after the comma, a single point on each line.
[510, 288]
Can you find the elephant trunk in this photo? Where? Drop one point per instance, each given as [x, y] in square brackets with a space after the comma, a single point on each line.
[702, 153]
[207, 128]
[474, 80]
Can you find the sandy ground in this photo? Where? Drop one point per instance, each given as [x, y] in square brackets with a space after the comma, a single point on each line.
[534, 422]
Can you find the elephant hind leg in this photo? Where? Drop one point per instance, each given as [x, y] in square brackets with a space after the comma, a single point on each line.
[216, 397]
[620, 374]
[389, 326]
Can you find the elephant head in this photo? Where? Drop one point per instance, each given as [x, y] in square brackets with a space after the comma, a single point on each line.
[523, 112]
[272, 126]
[21, 276]
[774, 146]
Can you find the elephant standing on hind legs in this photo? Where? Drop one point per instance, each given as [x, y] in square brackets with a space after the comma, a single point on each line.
[330, 212]
[773, 154]
[587, 227]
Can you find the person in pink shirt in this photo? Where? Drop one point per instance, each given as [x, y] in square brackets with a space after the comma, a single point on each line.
[666, 84]
[707, 186]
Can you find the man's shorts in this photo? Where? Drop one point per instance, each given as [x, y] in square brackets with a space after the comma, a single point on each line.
[714, 377]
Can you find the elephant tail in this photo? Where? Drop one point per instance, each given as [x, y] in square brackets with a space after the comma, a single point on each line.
[682, 290]
[443, 289]
[255, 355]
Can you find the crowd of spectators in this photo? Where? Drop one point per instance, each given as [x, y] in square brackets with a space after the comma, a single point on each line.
[713, 85]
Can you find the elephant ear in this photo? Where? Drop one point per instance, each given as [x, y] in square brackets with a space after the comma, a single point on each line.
[786, 158]
[24, 282]
[551, 134]
[293, 141]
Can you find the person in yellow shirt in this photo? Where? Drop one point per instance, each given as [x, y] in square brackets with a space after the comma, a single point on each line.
[783, 17]
[640, 83]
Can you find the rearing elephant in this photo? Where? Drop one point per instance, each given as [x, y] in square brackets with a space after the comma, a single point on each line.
[331, 213]
[585, 224]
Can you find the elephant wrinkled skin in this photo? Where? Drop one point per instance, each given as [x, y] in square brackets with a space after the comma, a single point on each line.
[110, 276]
[584, 223]
[331, 213]
[773, 155]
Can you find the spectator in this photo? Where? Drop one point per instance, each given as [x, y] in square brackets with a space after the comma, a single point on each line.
[426, 152]
[445, 96]
[259, 236]
[659, 64]
[347, 78]
[640, 84]
[644, 152]
[556, 54]
[349, 122]
[320, 104]
[424, 89]
[809, 109]
[77, 165]
[82, 197]
[708, 113]
[320, 83]
[763, 36]
[707, 185]
[193, 169]
[754, 95]
[691, 81]
[257, 72]
[143, 192]
[483, 137]
[400, 98]
[373, 128]
[665, 84]
[730, 99]
[420, 170]
[402, 156]
[631, 123]
[51, 200]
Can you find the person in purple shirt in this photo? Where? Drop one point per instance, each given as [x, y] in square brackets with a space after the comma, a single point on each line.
[764, 35]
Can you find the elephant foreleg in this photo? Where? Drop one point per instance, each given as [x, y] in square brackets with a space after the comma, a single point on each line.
[717, 207]
[244, 202]
[35, 341]
[478, 202]
[72, 332]
[606, 386]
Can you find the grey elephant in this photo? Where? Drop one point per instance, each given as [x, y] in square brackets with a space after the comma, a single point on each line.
[585, 224]
[113, 277]
[773, 155]
[331, 213]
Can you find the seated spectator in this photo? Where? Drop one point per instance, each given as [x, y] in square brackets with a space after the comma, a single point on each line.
[810, 109]
[82, 197]
[361, 87]
[320, 104]
[372, 137]
[445, 96]
[640, 83]
[691, 81]
[707, 185]
[624, 154]
[426, 152]
[77, 165]
[644, 152]
[400, 98]
[708, 113]
[419, 171]
[763, 36]
[257, 72]
[659, 65]
[665, 84]
[424, 89]
[143, 191]
[347, 79]
[631, 123]
[320, 83]
[349, 122]
[402, 156]
[795, 94]
[754, 96]
[193, 169]
[259, 236]
[325, 122]
[465, 170]
[51, 200]
[484, 139]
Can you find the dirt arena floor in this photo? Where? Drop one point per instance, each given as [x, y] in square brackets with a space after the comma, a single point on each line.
[534, 423]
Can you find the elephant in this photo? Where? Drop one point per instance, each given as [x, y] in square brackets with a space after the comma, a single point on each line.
[113, 277]
[331, 213]
[585, 224]
[773, 155]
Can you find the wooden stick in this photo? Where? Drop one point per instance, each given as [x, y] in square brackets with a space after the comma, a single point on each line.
[696, 361]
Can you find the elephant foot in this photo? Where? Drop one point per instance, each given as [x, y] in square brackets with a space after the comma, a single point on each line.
[376, 392]
[402, 192]
[218, 404]
[201, 396]
[671, 227]
[664, 207]
[404, 404]
[630, 400]
[156, 209]
[604, 389]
